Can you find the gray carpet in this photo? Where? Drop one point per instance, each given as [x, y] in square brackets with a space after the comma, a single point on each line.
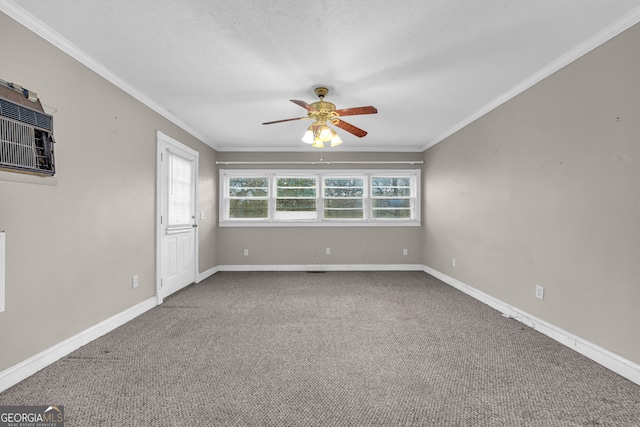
[328, 349]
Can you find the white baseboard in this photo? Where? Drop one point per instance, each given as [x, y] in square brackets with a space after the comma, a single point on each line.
[30, 366]
[206, 274]
[324, 267]
[604, 357]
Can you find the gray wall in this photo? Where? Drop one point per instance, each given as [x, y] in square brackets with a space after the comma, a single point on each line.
[73, 248]
[545, 190]
[306, 245]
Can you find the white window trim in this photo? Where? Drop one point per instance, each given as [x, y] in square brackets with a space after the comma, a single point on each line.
[320, 221]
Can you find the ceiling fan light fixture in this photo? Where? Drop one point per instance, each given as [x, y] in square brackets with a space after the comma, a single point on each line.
[325, 133]
[308, 137]
[319, 133]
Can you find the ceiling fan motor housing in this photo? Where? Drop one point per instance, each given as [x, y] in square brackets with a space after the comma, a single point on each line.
[323, 105]
[321, 109]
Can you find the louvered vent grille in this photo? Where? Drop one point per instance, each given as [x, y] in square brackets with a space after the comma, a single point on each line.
[16, 145]
[26, 142]
[25, 115]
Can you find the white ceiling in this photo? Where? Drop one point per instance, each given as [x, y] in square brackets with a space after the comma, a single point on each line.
[223, 67]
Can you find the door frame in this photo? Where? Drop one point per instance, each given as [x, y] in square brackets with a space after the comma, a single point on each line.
[163, 143]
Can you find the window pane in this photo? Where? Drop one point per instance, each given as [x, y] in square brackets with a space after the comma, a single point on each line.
[390, 182]
[343, 214]
[180, 194]
[249, 187]
[296, 182]
[343, 182]
[249, 192]
[391, 203]
[243, 208]
[390, 192]
[248, 182]
[296, 204]
[343, 192]
[392, 213]
[296, 192]
[343, 204]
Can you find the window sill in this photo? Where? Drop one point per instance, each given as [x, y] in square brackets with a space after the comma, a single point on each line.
[318, 224]
[28, 179]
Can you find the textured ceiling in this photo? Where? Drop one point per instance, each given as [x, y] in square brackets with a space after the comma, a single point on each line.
[223, 67]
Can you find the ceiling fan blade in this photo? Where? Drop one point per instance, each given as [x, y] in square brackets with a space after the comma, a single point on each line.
[349, 127]
[285, 120]
[301, 103]
[369, 109]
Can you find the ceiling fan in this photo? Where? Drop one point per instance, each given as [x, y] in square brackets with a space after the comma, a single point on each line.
[323, 112]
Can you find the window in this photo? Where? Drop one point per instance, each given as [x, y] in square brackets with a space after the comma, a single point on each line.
[344, 198]
[391, 197]
[317, 198]
[296, 197]
[180, 196]
[248, 198]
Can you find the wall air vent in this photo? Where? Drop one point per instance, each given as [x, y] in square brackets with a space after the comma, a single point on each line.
[26, 132]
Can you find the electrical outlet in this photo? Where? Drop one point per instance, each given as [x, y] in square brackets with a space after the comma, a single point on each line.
[135, 281]
[328, 251]
[539, 292]
[405, 252]
[246, 252]
[453, 262]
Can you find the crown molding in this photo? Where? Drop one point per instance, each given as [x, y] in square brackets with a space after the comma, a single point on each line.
[47, 33]
[622, 24]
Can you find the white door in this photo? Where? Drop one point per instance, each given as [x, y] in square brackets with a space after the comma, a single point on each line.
[177, 232]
